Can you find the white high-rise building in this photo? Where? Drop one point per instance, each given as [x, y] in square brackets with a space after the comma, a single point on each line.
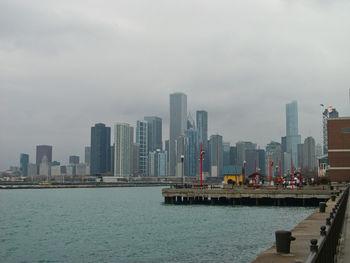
[178, 121]
[123, 141]
[142, 140]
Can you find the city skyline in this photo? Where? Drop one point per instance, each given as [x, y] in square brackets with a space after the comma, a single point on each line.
[114, 62]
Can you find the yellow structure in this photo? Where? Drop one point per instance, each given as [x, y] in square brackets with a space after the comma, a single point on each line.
[235, 178]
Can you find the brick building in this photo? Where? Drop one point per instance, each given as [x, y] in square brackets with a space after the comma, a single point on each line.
[339, 149]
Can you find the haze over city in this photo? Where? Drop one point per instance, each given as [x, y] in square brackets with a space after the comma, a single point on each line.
[66, 66]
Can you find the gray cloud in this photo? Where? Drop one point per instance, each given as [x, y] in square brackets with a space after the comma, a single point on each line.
[67, 65]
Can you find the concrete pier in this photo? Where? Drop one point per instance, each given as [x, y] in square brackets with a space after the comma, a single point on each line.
[241, 196]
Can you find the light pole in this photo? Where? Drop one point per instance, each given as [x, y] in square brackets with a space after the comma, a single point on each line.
[201, 164]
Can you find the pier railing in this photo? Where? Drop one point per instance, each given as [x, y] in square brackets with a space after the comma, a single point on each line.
[324, 248]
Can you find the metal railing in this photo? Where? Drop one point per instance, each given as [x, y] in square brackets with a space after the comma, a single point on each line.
[323, 249]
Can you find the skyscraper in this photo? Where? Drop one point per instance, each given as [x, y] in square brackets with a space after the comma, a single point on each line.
[192, 152]
[123, 156]
[100, 159]
[74, 159]
[87, 154]
[178, 118]
[142, 140]
[216, 156]
[155, 139]
[292, 136]
[23, 163]
[330, 112]
[202, 127]
[41, 151]
[309, 162]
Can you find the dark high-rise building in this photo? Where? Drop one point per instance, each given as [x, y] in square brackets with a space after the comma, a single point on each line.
[155, 140]
[100, 162]
[216, 156]
[23, 163]
[252, 159]
[330, 112]
[226, 149]
[73, 159]
[41, 151]
[87, 154]
[192, 152]
[202, 127]
[233, 155]
[261, 163]
[142, 140]
[178, 119]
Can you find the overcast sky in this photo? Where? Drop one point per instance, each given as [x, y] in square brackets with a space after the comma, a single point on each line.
[66, 65]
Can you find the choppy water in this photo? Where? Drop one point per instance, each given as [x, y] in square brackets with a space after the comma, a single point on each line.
[132, 225]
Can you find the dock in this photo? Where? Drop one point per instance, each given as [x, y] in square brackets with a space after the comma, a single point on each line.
[242, 196]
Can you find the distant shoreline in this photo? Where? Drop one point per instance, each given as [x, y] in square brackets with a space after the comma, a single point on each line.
[15, 186]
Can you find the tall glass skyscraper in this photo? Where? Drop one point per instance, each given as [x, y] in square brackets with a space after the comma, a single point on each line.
[292, 138]
[202, 127]
[100, 149]
[192, 152]
[123, 147]
[23, 163]
[142, 140]
[216, 156]
[155, 140]
[178, 119]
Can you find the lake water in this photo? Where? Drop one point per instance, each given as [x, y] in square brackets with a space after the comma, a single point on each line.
[132, 225]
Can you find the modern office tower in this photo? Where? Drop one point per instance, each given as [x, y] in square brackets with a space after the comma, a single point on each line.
[42, 150]
[292, 136]
[261, 163]
[192, 152]
[161, 163]
[23, 163]
[273, 154]
[135, 159]
[226, 149]
[87, 154]
[63, 169]
[329, 112]
[32, 169]
[73, 159]
[242, 147]
[181, 150]
[284, 143]
[112, 158]
[216, 156]
[309, 154]
[252, 161]
[166, 147]
[44, 168]
[202, 127]
[157, 163]
[300, 152]
[233, 155]
[142, 140]
[123, 141]
[155, 138]
[151, 164]
[100, 162]
[178, 118]
[71, 169]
